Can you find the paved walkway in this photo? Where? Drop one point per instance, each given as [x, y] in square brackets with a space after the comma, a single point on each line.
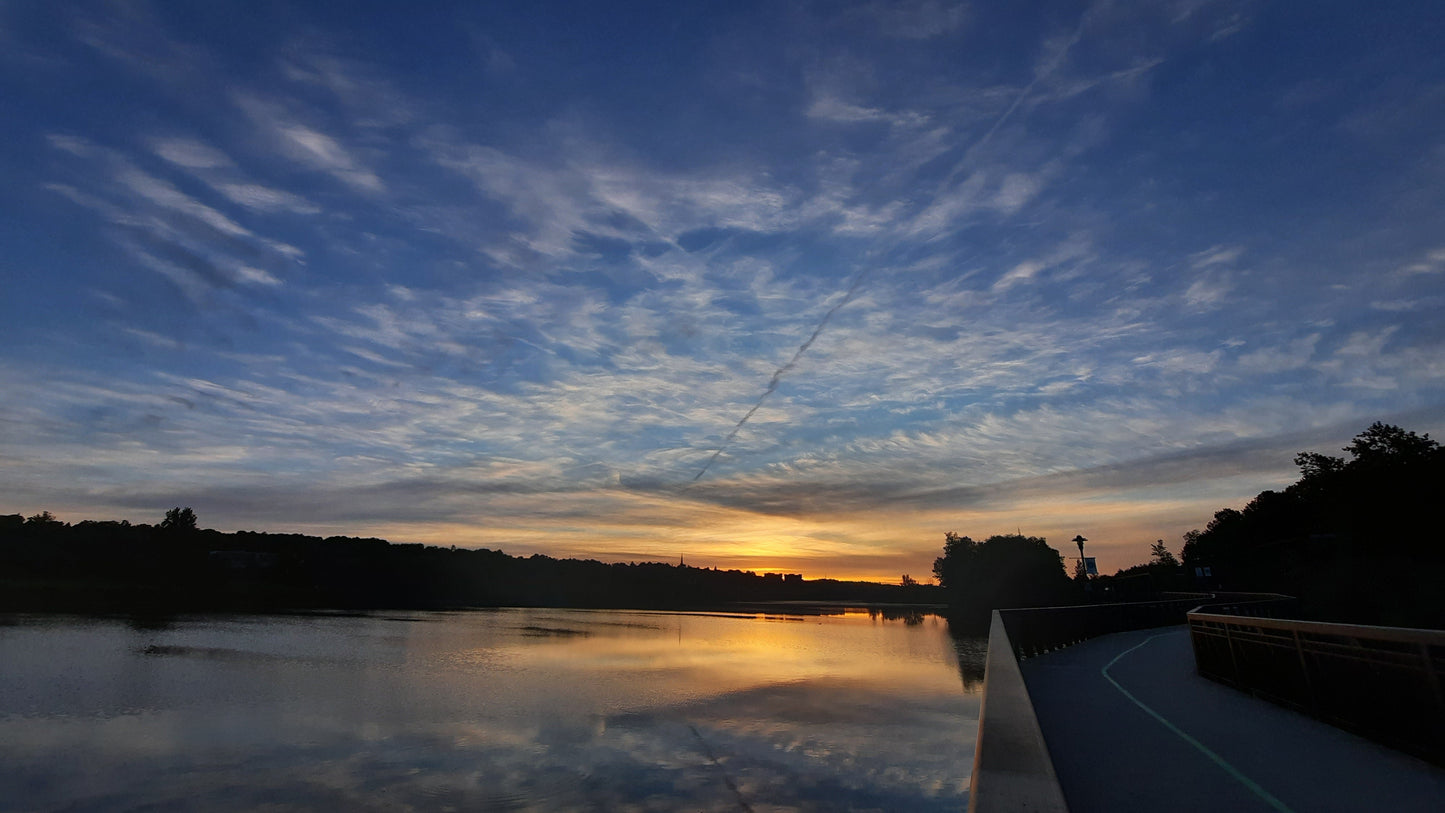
[1131, 727]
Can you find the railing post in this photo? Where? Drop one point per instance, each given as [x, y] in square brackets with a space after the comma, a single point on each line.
[1304, 669]
[1194, 637]
[1233, 659]
[1393, 694]
[1434, 678]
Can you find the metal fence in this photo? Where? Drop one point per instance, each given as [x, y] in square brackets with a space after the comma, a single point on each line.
[1254, 605]
[1381, 682]
[1012, 768]
[1036, 630]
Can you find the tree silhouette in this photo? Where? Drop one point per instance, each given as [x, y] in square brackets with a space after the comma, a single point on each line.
[1356, 539]
[951, 567]
[1009, 570]
[176, 566]
[1162, 556]
[179, 520]
[1383, 443]
[43, 519]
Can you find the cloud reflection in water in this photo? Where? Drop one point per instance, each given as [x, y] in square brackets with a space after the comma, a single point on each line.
[480, 711]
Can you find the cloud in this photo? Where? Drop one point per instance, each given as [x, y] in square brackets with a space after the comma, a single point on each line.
[190, 154]
[371, 100]
[1023, 272]
[133, 35]
[220, 172]
[167, 196]
[551, 204]
[326, 154]
[266, 199]
[1075, 248]
[533, 321]
[309, 146]
[833, 109]
[1016, 190]
[188, 241]
[829, 107]
[1217, 255]
[986, 451]
[1193, 362]
[1063, 88]
[1433, 262]
[913, 20]
[1210, 291]
[1293, 355]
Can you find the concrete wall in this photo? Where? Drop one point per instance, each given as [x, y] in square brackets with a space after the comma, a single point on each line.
[1012, 770]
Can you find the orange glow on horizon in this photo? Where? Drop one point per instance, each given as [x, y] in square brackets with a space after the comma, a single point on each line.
[877, 546]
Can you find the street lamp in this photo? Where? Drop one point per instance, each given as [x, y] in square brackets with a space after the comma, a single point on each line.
[1083, 563]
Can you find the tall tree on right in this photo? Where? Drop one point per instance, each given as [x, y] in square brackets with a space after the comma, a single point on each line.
[1356, 539]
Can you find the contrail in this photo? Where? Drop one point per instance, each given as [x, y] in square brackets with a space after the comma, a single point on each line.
[782, 371]
[1044, 71]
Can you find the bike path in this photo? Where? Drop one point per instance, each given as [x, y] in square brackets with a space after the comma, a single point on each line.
[1130, 726]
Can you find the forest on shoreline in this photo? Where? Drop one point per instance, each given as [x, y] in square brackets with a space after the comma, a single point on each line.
[104, 566]
[1354, 539]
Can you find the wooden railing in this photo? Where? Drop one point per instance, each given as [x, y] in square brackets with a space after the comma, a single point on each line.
[1384, 683]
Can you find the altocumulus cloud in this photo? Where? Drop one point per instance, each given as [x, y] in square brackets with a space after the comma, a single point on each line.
[877, 271]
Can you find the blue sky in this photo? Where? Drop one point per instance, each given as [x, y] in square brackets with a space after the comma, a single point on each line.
[512, 277]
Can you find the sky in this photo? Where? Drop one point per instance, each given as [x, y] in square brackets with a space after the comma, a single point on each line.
[782, 286]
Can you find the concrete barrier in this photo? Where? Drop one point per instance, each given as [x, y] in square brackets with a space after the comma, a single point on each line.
[1012, 770]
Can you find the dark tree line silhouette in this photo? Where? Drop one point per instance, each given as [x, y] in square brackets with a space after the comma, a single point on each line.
[47, 564]
[1356, 540]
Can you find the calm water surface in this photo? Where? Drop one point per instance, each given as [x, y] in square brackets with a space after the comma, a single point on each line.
[501, 710]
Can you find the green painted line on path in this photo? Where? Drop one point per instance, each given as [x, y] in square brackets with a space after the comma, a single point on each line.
[1203, 749]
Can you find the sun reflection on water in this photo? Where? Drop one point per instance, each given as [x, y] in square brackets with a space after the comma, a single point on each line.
[514, 709]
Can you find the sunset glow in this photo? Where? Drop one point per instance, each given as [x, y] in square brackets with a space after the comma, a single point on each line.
[787, 287]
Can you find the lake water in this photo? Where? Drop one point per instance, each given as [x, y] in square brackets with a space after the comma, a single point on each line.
[507, 710]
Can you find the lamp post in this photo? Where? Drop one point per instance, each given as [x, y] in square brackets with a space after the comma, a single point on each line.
[1083, 566]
